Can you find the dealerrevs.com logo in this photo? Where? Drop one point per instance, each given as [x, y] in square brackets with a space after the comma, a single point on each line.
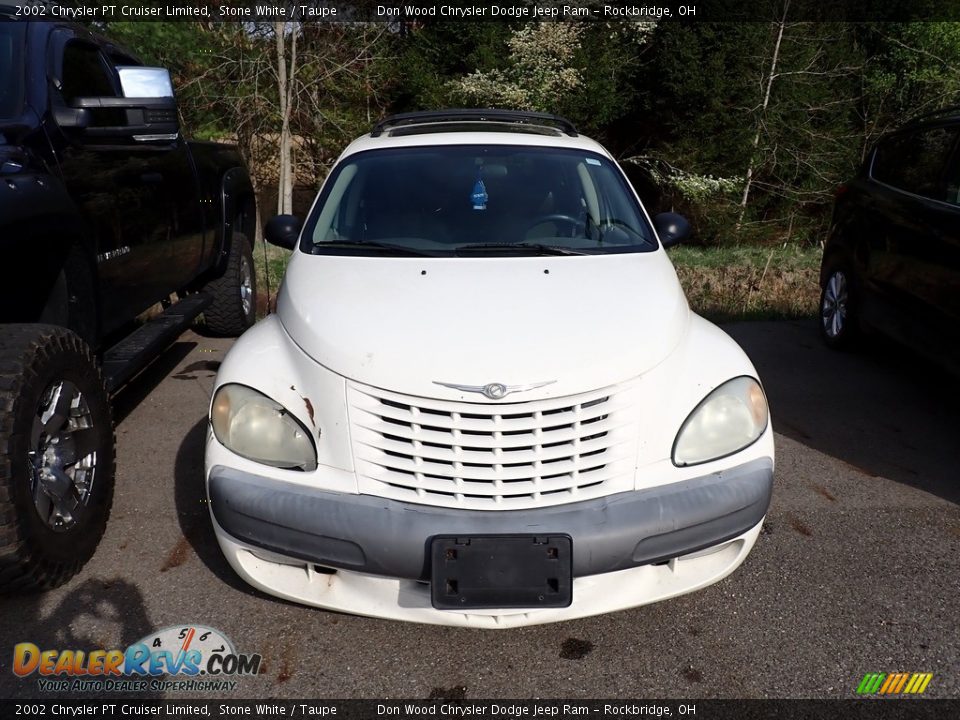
[198, 657]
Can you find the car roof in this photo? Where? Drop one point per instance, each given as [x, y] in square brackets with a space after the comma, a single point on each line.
[434, 139]
[474, 127]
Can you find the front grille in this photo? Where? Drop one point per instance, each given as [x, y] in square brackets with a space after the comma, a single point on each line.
[493, 455]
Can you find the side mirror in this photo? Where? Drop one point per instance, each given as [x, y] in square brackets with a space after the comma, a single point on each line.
[672, 228]
[145, 82]
[147, 112]
[283, 231]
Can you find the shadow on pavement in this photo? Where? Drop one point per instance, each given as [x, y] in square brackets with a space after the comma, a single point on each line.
[882, 410]
[193, 511]
[86, 618]
[137, 390]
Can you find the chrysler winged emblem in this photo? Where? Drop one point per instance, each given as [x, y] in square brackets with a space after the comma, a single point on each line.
[495, 391]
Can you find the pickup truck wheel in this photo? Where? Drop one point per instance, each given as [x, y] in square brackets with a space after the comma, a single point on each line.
[234, 296]
[56, 456]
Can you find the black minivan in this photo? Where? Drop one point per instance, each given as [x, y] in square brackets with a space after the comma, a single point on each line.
[892, 261]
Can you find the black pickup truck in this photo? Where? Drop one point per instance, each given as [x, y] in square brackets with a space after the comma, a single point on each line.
[105, 212]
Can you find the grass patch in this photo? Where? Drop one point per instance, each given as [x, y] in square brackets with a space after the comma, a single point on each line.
[749, 283]
[784, 258]
[722, 284]
[273, 260]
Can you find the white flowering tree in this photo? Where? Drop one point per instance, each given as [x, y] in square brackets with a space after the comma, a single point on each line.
[539, 72]
[690, 186]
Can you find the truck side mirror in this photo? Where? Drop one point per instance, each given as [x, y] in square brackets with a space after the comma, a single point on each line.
[145, 82]
[147, 112]
[283, 231]
[672, 228]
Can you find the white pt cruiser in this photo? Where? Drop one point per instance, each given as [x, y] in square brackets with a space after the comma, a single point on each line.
[483, 399]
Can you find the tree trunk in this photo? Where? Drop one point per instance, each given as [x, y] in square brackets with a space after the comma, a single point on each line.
[286, 79]
[763, 109]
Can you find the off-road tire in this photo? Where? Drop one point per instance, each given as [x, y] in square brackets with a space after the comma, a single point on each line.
[227, 313]
[33, 556]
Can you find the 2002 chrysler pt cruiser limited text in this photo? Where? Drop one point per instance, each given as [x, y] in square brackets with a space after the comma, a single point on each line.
[483, 399]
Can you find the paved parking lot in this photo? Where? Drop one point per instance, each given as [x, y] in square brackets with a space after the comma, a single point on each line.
[856, 570]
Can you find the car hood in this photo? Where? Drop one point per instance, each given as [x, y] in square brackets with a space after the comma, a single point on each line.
[405, 324]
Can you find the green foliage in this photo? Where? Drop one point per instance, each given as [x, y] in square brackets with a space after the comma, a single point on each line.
[538, 75]
[910, 68]
[700, 85]
[429, 57]
[786, 258]
[587, 72]
[188, 50]
[715, 118]
[688, 98]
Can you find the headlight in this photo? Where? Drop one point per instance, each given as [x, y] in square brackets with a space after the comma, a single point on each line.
[260, 429]
[729, 419]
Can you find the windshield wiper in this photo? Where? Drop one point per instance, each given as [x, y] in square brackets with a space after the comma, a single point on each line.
[540, 248]
[370, 244]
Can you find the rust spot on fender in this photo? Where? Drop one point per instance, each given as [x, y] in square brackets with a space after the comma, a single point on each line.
[307, 404]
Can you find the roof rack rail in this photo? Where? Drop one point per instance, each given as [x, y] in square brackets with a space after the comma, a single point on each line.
[474, 115]
[949, 110]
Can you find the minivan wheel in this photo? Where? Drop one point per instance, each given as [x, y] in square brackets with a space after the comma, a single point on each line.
[839, 323]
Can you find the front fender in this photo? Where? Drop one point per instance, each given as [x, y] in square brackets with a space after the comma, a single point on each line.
[705, 359]
[267, 360]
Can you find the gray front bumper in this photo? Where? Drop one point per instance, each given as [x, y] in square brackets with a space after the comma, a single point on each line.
[385, 537]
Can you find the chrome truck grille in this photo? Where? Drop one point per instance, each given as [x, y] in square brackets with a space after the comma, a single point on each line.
[495, 455]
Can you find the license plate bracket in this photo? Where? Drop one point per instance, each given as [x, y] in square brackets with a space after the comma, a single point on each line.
[501, 571]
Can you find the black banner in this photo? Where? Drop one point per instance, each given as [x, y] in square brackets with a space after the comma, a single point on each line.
[464, 709]
[418, 11]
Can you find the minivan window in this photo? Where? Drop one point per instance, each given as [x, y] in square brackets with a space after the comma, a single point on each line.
[460, 200]
[11, 69]
[915, 162]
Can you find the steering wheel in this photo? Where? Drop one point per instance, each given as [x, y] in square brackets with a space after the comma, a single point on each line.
[574, 223]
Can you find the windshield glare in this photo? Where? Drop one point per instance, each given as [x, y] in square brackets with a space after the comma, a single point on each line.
[461, 199]
[11, 68]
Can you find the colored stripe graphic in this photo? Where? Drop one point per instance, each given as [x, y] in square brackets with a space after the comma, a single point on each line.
[901, 681]
[889, 682]
[894, 683]
[871, 683]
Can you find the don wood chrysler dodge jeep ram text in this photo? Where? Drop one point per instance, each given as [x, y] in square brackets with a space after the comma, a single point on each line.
[483, 400]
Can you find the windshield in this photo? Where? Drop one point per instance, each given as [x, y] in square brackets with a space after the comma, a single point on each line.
[466, 200]
[11, 68]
